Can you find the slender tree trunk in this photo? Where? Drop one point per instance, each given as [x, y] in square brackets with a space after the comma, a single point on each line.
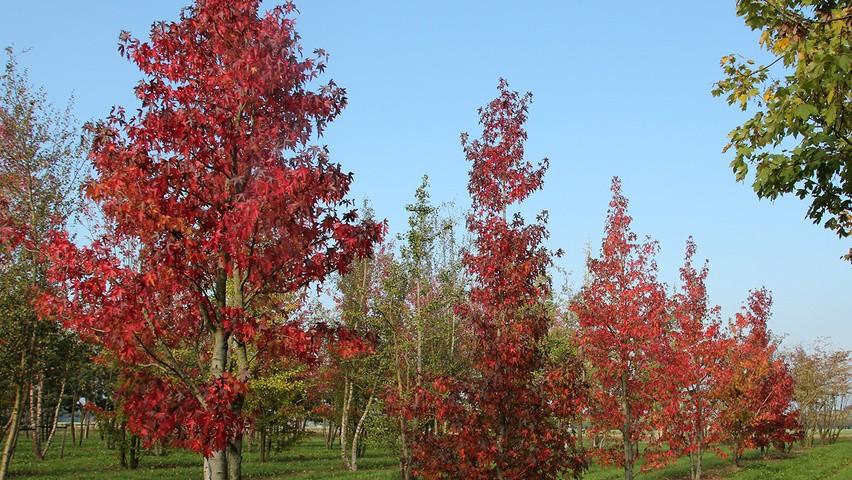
[344, 420]
[353, 464]
[84, 420]
[135, 446]
[401, 386]
[62, 445]
[235, 446]
[452, 336]
[696, 457]
[217, 463]
[122, 448]
[263, 451]
[54, 422]
[83, 414]
[329, 433]
[580, 418]
[405, 456]
[86, 431]
[698, 464]
[235, 458]
[74, 399]
[627, 431]
[37, 414]
[419, 316]
[11, 438]
[695, 463]
[738, 451]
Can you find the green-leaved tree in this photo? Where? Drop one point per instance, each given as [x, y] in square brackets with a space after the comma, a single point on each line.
[799, 137]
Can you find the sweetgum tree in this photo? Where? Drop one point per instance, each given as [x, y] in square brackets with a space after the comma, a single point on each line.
[695, 368]
[757, 393]
[623, 325]
[214, 206]
[502, 419]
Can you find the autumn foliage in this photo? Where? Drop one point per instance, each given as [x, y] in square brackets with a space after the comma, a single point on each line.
[757, 393]
[623, 325]
[217, 212]
[502, 419]
[696, 367]
[213, 202]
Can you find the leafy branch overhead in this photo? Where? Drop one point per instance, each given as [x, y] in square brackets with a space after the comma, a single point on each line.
[798, 138]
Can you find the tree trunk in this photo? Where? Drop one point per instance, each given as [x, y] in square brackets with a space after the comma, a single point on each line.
[86, 431]
[62, 445]
[263, 451]
[217, 463]
[74, 400]
[452, 336]
[353, 463]
[344, 420]
[134, 450]
[11, 438]
[330, 433]
[738, 452]
[405, 456]
[54, 422]
[401, 385]
[695, 463]
[217, 466]
[696, 456]
[235, 446]
[122, 449]
[419, 316]
[235, 458]
[627, 431]
[36, 398]
[83, 417]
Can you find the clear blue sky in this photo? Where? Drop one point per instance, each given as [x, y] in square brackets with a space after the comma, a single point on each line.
[622, 90]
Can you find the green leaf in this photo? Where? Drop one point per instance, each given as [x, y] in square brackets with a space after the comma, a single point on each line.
[805, 110]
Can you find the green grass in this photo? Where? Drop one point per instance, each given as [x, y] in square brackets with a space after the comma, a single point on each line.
[309, 459]
[823, 462]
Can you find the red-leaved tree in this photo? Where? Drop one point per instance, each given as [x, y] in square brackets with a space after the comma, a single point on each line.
[757, 393]
[215, 207]
[623, 327]
[503, 420]
[690, 420]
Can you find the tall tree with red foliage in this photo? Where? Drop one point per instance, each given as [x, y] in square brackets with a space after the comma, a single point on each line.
[215, 205]
[623, 326]
[695, 368]
[757, 394]
[503, 420]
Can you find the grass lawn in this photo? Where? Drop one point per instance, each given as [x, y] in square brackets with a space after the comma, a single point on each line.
[311, 460]
[823, 462]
